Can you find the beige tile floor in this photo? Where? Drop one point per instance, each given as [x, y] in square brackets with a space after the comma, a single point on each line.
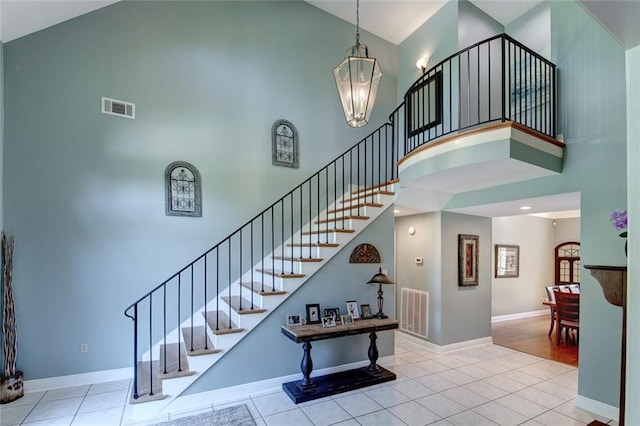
[486, 385]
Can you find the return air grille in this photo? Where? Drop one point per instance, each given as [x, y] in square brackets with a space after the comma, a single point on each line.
[414, 314]
[119, 108]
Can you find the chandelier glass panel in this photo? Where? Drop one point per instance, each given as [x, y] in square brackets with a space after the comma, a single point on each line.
[357, 78]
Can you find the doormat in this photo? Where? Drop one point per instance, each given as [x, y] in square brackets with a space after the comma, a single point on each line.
[238, 415]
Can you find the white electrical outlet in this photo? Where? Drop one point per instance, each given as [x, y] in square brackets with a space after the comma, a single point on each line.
[84, 347]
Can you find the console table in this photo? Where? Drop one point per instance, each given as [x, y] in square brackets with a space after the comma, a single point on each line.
[308, 389]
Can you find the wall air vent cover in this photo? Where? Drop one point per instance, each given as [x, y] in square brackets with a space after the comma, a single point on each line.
[119, 108]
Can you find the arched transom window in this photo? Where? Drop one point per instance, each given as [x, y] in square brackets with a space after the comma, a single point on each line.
[567, 263]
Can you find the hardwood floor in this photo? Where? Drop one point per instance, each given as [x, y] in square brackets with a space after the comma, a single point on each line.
[529, 335]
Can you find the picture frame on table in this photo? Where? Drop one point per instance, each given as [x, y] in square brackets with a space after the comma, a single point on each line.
[346, 319]
[332, 312]
[352, 309]
[313, 313]
[366, 311]
[294, 319]
[329, 321]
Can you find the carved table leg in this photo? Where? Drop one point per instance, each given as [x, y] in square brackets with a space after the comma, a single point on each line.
[373, 352]
[307, 367]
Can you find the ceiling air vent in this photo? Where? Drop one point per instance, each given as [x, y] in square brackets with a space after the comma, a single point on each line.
[119, 108]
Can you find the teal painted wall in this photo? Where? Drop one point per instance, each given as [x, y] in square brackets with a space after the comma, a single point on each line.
[424, 243]
[633, 278]
[436, 38]
[331, 287]
[474, 25]
[466, 311]
[592, 119]
[84, 191]
[436, 241]
[533, 29]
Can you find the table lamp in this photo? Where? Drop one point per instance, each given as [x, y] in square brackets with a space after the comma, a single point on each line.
[380, 278]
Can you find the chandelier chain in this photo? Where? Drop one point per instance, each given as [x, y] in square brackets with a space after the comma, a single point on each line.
[357, 22]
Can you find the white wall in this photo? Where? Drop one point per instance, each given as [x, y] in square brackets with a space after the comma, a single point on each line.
[535, 236]
[566, 230]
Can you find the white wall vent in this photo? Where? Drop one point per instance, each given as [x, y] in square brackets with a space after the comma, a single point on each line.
[414, 312]
[119, 108]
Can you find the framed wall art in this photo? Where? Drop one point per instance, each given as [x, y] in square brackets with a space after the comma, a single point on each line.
[507, 261]
[467, 260]
[183, 196]
[284, 144]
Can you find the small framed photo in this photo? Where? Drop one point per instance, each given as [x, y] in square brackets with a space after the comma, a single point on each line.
[329, 321]
[352, 309]
[366, 311]
[294, 319]
[332, 312]
[347, 319]
[313, 313]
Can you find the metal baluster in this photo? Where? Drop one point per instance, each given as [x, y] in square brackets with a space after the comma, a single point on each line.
[135, 352]
[206, 343]
[150, 344]
[164, 329]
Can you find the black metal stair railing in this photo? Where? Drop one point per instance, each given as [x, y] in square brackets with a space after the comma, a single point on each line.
[284, 228]
[495, 80]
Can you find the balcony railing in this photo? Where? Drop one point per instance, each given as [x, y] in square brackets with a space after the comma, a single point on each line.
[495, 80]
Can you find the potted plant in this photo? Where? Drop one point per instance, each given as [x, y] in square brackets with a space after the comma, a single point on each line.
[11, 387]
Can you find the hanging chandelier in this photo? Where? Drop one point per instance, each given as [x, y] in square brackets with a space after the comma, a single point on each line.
[357, 78]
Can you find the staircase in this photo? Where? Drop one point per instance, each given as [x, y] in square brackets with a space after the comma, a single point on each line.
[193, 319]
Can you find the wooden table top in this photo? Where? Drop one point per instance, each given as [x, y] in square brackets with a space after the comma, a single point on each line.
[312, 332]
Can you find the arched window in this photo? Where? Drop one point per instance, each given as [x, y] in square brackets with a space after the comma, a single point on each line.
[567, 263]
[182, 190]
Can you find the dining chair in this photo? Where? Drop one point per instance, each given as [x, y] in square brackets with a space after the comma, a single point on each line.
[567, 314]
[552, 301]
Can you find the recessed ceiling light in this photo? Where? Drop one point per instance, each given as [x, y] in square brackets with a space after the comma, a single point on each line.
[526, 208]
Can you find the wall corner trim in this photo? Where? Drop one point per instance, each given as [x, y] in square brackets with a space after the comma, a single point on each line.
[448, 348]
[597, 407]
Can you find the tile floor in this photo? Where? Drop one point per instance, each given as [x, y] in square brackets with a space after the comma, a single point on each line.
[486, 385]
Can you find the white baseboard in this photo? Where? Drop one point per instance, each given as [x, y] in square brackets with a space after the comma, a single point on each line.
[448, 348]
[597, 407]
[233, 394]
[520, 315]
[77, 379]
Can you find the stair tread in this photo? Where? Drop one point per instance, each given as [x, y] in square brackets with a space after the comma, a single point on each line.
[219, 323]
[234, 301]
[365, 195]
[144, 370]
[339, 218]
[325, 231]
[379, 185]
[355, 207]
[171, 364]
[299, 259]
[262, 289]
[313, 245]
[198, 346]
[280, 274]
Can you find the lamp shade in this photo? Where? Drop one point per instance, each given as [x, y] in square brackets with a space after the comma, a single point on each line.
[380, 278]
[357, 78]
